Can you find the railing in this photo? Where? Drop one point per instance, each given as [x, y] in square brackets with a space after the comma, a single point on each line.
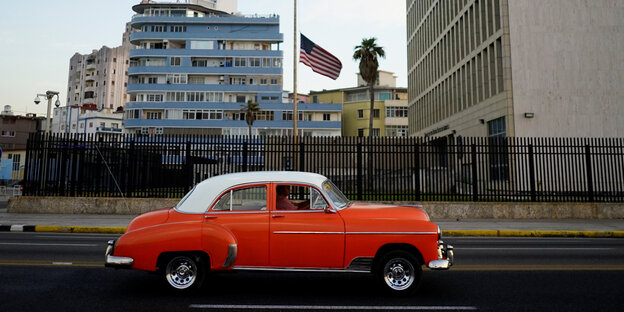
[387, 169]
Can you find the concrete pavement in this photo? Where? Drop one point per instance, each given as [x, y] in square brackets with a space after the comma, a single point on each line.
[85, 223]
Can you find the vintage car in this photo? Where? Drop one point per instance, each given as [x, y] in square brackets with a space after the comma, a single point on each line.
[280, 221]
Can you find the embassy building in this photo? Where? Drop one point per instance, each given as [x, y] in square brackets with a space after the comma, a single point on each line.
[197, 62]
[520, 68]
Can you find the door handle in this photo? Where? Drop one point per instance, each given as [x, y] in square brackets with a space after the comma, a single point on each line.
[210, 217]
[277, 216]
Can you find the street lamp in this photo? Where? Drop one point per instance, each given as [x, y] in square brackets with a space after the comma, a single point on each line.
[49, 95]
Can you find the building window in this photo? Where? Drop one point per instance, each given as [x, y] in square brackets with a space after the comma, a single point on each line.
[6, 133]
[360, 132]
[266, 62]
[376, 113]
[376, 132]
[175, 61]
[498, 151]
[178, 28]
[154, 115]
[394, 111]
[360, 114]
[254, 62]
[240, 62]
[273, 81]
[326, 117]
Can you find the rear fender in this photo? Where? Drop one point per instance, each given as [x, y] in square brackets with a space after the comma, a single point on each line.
[220, 244]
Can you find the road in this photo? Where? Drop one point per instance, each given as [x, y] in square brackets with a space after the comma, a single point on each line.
[61, 272]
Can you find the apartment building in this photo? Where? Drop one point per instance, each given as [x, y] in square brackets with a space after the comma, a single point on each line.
[197, 63]
[515, 68]
[390, 107]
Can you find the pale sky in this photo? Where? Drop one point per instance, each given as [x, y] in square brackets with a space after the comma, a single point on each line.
[38, 37]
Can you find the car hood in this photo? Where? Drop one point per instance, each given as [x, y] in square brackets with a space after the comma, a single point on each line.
[149, 219]
[359, 216]
[385, 211]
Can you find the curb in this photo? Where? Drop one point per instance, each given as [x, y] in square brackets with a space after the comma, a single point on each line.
[446, 233]
[535, 233]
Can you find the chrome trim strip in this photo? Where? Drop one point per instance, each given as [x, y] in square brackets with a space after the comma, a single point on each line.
[270, 269]
[296, 232]
[232, 255]
[356, 233]
[299, 211]
[226, 212]
[163, 224]
[116, 262]
[390, 233]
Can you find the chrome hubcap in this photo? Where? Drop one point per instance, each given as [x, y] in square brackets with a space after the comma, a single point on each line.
[181, 272]
[399, 274]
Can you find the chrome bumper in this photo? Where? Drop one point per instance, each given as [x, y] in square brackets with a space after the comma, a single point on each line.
[116, 262]
[445, 257]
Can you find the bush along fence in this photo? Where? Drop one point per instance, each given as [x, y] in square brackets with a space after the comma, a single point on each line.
[376, 169]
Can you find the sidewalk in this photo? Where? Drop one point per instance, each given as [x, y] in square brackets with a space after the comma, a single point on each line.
[116, 224]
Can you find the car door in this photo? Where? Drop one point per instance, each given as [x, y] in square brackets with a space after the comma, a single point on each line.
[305, 238]
[243, 211]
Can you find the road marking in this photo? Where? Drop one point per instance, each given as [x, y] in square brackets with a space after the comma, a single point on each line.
[538, 267]
[48, 244]
[62, 263]
[17, 228]
[48, 263]
[317, 307]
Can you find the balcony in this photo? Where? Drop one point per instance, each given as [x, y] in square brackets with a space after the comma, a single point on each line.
[191, 70]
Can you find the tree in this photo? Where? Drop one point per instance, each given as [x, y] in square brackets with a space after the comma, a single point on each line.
[368, 53]
[250, 110]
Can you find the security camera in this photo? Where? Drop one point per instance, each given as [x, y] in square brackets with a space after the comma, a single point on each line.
[57, 103]
[37, 100]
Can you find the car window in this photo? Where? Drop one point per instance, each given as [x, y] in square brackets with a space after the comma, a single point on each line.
[297, 197]
[243, 199]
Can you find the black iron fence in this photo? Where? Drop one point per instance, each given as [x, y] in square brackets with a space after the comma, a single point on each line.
[387, 169]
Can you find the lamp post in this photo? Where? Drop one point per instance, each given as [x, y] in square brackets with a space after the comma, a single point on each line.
[49, 95]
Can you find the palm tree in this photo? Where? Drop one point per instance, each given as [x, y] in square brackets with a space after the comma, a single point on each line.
[367, 53]
[250, 110]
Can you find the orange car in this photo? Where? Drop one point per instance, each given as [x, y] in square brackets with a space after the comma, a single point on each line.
[280, 221]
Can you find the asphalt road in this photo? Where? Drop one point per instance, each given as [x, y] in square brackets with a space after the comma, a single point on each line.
[64, 272]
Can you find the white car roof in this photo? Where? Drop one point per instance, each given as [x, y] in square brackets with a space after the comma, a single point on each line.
[203, 194]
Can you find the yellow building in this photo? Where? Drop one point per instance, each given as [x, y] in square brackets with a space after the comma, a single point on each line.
[389, 113]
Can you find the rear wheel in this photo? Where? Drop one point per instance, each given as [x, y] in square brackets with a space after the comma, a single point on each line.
[399, 272]
[184, 272]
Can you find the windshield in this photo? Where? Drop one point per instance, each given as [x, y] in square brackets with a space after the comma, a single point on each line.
[335, 195]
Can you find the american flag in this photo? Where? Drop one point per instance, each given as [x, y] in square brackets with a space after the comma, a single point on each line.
[319, 59]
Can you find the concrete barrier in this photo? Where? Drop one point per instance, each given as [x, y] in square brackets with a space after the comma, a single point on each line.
[436, 210]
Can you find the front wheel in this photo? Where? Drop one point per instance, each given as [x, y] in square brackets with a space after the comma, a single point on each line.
[184, 272]
[399, 272]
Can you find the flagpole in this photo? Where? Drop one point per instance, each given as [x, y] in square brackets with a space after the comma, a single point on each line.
[295, 112]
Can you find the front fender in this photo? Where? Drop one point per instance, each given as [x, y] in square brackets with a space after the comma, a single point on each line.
[220, 244]
[146, 244]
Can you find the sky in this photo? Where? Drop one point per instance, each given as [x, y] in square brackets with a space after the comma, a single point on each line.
[38, 37]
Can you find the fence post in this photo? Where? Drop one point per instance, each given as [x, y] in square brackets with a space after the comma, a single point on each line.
[417, 169]
[301, 156]
[359, 171]
[588, 167]
[130, 170]
[475, 183]
[532, 174]
[189, 168]
[245, 151]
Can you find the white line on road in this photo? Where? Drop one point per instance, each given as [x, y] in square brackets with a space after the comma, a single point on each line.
[62, 263]
[41, 244]
[313, 307]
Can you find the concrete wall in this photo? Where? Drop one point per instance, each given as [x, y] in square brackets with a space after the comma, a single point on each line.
[568, 67]
[436, 210]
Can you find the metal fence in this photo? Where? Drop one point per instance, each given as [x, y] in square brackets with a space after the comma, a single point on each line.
[386, 169]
